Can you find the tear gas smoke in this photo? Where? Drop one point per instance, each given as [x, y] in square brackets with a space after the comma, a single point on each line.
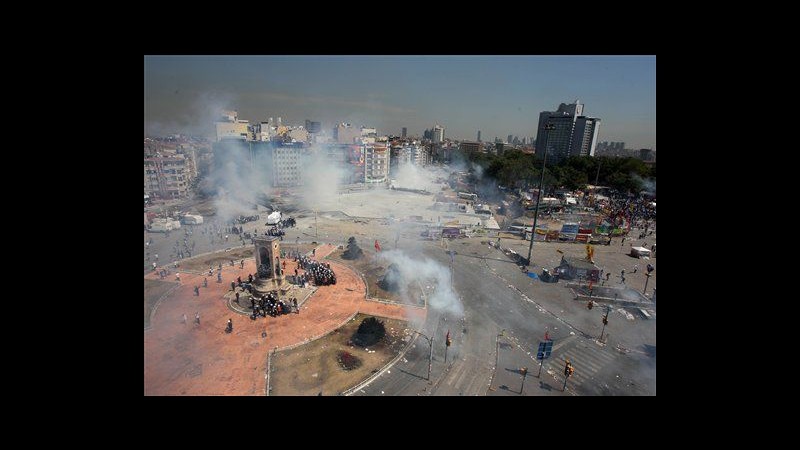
[425, 271]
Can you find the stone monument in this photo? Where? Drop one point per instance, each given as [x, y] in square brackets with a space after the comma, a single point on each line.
[269, 273]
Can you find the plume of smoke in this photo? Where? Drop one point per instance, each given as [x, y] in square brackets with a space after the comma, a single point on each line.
[458, 163]
[322, 180]
[477, 170]
[411, 176]
[199, 120]
[237, 179]
[426, 271]
[648, 184]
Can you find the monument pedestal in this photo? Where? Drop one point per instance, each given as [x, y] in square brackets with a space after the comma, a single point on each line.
[265, 285]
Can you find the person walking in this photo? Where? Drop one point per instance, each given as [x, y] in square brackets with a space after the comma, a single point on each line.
[197, 318]
[178, 277]
[183, 318]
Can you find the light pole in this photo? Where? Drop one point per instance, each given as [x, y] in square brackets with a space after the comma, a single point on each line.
[548, 127]
[430, 355]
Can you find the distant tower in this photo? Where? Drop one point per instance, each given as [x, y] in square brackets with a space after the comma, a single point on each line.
[405, 131]
[438, 134]
[479, 135]
[574, 134]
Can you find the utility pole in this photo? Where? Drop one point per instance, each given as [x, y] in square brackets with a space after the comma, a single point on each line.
[596, 179]
[548, 127]
[430, 354]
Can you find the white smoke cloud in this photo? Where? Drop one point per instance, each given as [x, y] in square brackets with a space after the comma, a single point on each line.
[322, 181]
[198, 120]
[427, 272]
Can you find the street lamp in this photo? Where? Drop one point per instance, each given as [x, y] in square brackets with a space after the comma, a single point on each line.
[430, 355]
[548, 127]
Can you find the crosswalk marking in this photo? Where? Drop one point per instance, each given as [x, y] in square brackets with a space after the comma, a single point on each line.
[587, 360]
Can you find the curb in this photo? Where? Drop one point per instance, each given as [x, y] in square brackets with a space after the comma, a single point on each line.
[158, 303]
[380, 372]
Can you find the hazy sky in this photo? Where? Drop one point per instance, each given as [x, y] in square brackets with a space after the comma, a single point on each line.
[499, 95]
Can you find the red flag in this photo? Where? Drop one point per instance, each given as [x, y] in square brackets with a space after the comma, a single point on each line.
[546, 335]
[377, 246]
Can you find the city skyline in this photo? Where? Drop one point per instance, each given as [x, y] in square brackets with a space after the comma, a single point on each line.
[498, 95]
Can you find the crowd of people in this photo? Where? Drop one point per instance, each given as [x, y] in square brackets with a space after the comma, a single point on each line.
[320, 273]
[271, 304]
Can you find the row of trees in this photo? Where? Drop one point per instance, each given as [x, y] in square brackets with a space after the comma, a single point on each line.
[517, 169]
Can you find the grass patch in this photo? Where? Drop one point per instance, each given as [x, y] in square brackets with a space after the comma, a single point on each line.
[319, 366]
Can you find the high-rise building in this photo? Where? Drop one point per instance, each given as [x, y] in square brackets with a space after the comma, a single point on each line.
[584, 137]
[287, 165]
[405, 132]
[510, 138]
[573, 135]
[438, 134]
[646, 154]
[313, 127]
[479, 135]
[376, 163]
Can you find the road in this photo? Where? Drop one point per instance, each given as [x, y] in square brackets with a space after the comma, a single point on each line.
[499, 299]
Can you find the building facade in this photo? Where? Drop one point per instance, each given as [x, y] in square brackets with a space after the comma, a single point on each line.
[438, 134]
[470, 147]
[573, 135]
[344, 133]
[287, 165]
[376, 163]
[167, 177]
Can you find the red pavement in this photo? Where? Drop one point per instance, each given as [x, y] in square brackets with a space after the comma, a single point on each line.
[183, 359]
